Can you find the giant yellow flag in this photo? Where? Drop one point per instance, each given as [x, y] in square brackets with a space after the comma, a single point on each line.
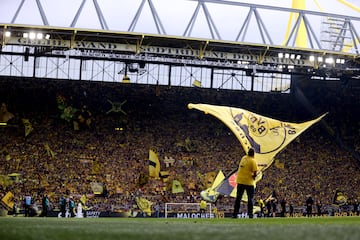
[154, 164]
[266, 135]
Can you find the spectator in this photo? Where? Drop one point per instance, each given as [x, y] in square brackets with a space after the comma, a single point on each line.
[27, 204]
[309, 204]
[318, 208]
[45, 205]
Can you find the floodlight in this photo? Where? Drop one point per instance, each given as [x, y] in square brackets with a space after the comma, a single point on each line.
[39, 36]
[329, 60]
[340, 61]
[32, 35]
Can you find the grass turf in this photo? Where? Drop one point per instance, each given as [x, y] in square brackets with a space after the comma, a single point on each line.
[328, 228]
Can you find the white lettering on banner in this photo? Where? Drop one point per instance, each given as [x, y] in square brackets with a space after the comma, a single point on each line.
[170, 51]
[92, 214]
[95, 45]
[194, 215]
[67, 44]
[41, 42]
[156, 50]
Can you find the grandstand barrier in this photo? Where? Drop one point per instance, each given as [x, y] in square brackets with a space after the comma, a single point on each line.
[175, 214]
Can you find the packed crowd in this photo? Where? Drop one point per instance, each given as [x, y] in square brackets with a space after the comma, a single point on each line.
[82, 133]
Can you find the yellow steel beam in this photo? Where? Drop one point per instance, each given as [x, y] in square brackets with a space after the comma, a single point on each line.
[352, 6]
[318, 5]
[202, 49]
[72, 41]
[301, 37]
[3, 37]
[139, 43]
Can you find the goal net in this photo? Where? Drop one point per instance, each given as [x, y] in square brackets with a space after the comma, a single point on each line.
[187, 210]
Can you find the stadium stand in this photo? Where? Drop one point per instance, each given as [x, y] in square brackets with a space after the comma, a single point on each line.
[113, 148]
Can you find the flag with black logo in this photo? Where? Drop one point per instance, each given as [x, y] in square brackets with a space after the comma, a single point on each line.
[267, 136]
[154, 164]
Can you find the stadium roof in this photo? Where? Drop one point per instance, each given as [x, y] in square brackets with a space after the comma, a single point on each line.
[147, 47]
[332, 56]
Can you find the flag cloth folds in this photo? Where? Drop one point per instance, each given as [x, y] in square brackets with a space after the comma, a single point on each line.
[154, 164]
[83, 200]
[49, 152]
[8, 200]
[339, 198]
[279, 164]
[28, 126]
[164, 175]
[144, 205]
[265, 135]
[176, 187]
[228, 185]
[210, 194]
[96, 167]
[97, 188]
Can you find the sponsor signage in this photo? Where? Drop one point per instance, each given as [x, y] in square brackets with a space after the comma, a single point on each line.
[190, 215]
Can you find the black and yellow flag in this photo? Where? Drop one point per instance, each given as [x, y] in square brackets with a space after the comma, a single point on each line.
[265, 135]
[279, 164]
[154, 164]
[49, 152]
[164, 175]
[28, 126]
[144, 205]
[228, 185]
[8, 200]
[5, 115]
[97, 188]
[339, 198]
[14, 177]
[210, 194]
[96, 167]
[83, 200]
[176, 187]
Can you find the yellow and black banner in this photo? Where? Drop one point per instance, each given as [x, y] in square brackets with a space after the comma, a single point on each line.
[267, 136]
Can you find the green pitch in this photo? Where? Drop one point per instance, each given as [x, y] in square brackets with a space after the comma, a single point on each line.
[328, 228]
